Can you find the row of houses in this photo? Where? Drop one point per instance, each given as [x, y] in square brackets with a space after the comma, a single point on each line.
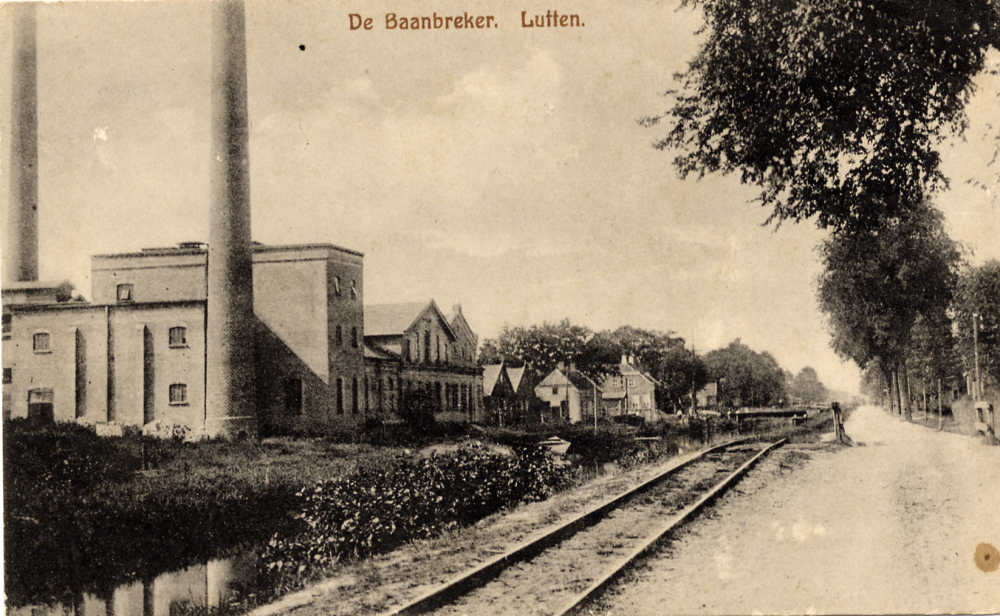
[568, 394]
[136, 353]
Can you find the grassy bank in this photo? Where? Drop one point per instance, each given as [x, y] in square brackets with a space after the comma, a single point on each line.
[82, 508]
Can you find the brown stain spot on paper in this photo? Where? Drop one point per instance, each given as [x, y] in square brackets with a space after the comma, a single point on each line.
[987, 557]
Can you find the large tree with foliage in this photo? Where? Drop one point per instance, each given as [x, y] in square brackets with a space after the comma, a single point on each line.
[978, 292]
[834, 108]
[746, 377]
[806, 387]
[876, 283]
[541, 347]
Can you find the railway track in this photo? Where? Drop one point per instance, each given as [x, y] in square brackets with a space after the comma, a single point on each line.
[564, 569]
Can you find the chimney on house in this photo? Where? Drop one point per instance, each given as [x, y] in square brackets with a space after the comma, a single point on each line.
[561, 367]
[572, 366]
[229, 378]
[20, 262]
[624, 358]
[457, 308]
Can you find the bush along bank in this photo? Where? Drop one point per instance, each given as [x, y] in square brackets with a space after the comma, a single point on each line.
[374, 511]
[82, 513]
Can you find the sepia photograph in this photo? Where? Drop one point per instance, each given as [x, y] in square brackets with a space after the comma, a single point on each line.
[473, 307]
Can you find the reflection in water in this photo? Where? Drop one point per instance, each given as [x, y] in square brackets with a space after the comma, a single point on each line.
[207, 586]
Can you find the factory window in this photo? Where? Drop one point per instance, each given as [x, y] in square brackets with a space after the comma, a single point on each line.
[8, 325]
[178, 336]
[8, 376]
[125, 293]
[336, 286]
[41, 343]
[178, 394]
[354, 337]
[340, 396]
[339, 336]
[354, 290]
[354, 395]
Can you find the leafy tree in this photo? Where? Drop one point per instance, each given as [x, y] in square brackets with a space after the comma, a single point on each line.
[679, 371]
[541, 347]
[978, 292]
[878, 280]
[807, 388]
[834, 108]
[746, 377]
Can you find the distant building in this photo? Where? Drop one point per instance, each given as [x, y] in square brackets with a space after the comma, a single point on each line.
[630, 391]
[570, 394]
[708, 396]
[499, 397]
[414, 347]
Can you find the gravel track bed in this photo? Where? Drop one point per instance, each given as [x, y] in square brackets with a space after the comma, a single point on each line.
[540, 586]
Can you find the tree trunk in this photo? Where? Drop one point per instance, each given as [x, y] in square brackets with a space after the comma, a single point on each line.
[923, 386]
[887, 378]
[940, 416]
[894, 391]
[905, 387]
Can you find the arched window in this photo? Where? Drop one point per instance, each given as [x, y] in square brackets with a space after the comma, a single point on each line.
[336, 286]
[340, 396]
[354, 337]
[354, 395]
[354, 290]
[339, 336]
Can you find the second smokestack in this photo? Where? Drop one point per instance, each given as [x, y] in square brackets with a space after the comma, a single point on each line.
[229, 367]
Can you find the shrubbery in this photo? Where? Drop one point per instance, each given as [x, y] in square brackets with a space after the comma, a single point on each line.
[376, 510]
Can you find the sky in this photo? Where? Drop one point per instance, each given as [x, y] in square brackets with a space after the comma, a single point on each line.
[503, 169]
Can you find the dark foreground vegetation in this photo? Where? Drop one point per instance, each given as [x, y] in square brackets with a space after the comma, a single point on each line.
[83, 513]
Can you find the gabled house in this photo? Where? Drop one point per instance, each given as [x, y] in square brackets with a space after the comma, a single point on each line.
[499, 396]
[412, 349]
[630, 391]
[570, 394]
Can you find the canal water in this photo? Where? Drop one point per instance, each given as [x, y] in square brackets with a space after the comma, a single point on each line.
[207, 585]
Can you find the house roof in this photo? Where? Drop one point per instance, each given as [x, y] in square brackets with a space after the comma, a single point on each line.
[375, 352]
[391, 319]
[575, 378]
[395, 319]
[580, 380]
[515, 375]
[492, 373]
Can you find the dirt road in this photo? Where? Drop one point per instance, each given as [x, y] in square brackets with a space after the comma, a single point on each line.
[890, 527]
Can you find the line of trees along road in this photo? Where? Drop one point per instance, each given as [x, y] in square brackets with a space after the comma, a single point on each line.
[836, 110]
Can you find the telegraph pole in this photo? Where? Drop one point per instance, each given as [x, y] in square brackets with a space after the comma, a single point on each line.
[977, 394]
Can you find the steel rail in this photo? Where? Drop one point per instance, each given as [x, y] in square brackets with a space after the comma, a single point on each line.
[619, 568]
[489, 570]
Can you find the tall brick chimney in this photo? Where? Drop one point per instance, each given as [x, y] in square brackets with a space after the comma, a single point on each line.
[229, 378]
[20, 257]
